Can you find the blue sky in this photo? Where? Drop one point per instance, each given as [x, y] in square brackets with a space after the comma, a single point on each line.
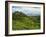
[27, 10]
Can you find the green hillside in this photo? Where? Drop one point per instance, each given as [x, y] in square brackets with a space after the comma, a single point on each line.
[20, 21]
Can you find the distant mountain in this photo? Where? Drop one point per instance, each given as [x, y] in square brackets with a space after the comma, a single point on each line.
[18, 15]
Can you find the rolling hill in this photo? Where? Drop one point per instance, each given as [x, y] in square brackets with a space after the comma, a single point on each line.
[21, 21]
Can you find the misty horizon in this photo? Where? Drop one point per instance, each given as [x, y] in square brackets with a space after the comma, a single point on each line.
[27, 10]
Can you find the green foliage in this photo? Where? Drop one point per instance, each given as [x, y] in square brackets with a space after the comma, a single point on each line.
[20, 21]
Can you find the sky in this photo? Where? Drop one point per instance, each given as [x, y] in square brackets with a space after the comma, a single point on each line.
[30, 11]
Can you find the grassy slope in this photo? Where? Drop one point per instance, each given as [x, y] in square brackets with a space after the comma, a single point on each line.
[26, 23]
